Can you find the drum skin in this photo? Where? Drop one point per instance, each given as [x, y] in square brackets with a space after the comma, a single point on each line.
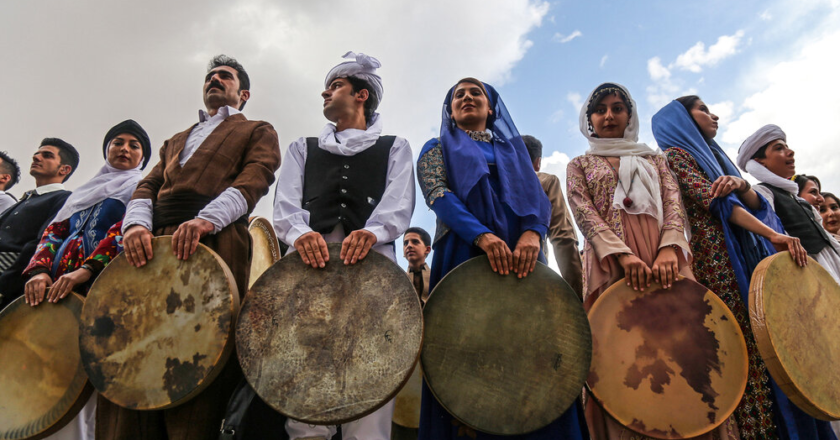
[407, 402]
[328, 346]
[43, 385]
[266, 250]
[794, 316]
[154, 337]
[666, 363]
[504, 355]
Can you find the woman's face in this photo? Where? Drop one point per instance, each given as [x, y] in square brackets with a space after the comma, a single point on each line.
[779, 159]
[125, 152]
[470, 107]
[830, 212]
[611, 117]
[705, 119]
[811, 194]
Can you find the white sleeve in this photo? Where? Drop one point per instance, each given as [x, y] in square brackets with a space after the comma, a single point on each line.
[392, 215]
[224, 209]
[767, 194]
[290, 219]
[138, 212]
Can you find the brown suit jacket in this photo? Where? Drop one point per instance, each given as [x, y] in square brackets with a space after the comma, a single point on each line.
[424, 295]
[561, 233]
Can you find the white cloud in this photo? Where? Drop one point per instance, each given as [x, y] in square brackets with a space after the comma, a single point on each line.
[557, 116]
[723, 110]
[695, 58]
[575, 99]
[604, 60]
[766, 16]
[656, 70]
[560, 38]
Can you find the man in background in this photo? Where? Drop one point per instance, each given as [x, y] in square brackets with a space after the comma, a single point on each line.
[417, 244]
[9, 176]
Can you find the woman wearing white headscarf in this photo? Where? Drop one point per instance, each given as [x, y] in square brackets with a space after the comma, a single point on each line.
[768, 158]
[627, 204]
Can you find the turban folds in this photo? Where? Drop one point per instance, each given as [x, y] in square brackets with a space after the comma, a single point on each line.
[760, 138]
[362, 67]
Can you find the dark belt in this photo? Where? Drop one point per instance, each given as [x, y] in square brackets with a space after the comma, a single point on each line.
[183, 207]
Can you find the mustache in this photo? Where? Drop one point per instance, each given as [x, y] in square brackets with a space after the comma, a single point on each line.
[215, 84]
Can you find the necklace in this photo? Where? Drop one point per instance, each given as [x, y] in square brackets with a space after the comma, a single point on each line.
[628, 202]
[481, 136]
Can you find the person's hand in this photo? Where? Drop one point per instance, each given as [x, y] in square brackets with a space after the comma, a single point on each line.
[65, 284]
[636, 273]
[497, 251]
[34, 289]
[725, 185]
[185, 239]
[787, 243]
[525, 254]
[313, 249]
[666, 267]
[137, 245]
[356, 246]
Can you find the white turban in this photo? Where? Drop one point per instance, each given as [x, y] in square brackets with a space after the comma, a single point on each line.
[760, 138]
[362, 67]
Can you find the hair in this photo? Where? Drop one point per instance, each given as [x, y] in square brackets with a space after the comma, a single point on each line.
[688, 101]
[827, 195]
[372, 101]
[534, 147]
[802, 179]
[599, 94]
[66, 153]
[424, 236]
[9, 166]
[241, 74]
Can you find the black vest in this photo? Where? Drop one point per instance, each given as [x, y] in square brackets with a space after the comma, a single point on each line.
[798, 219]
[344, 189]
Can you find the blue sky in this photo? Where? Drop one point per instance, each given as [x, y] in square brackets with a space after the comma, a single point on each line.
[80, 67]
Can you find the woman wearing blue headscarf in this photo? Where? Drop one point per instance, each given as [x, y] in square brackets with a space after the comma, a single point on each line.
[478, 179]
[728, 239]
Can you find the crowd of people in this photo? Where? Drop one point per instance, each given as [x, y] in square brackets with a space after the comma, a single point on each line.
[647, 215]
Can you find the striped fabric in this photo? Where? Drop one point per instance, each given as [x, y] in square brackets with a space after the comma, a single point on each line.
[6, 259]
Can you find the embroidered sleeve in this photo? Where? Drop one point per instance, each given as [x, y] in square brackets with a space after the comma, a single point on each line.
[586, 214]
[672, 210]
[53, 237]
[693, 181]
[108, 248]
[431, 174]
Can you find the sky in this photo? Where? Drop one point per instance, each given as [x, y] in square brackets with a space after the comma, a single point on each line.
[76, 68]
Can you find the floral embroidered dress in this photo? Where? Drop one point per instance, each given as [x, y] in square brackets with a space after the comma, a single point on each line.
[91, 235]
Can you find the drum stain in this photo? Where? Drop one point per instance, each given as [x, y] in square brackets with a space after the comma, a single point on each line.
[639, 426]
[173, 302]
[189, 304]
[181, 378]
[103, 327]
[672, 323]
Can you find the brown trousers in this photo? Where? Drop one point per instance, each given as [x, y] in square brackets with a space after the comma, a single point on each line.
[201, 417]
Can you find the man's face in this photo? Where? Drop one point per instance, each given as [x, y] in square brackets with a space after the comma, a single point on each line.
[414, 250]
[339, 99]
[47, 164]
[221, 88]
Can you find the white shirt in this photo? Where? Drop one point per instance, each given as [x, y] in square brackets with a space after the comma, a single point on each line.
[224, 209]
[390, 218]
[52, 187]
[6, 201]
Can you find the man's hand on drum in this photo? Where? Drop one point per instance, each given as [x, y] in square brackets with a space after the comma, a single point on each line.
[784, 242]
[666, 266]
[525, 254]
[137, 245]
[65, 284]
[185, 239]
[313, 249]
[34, 289]
[498, 252]
[357, 245]
[636, 273]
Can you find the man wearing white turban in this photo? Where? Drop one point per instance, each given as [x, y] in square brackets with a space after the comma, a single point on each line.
[348, 185]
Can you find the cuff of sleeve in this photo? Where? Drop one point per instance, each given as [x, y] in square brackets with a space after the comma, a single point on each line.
[295, 233]
[673, 237]
[138, 212]
[224, 209]
[36, 271]
[606, 244]
[378, 232]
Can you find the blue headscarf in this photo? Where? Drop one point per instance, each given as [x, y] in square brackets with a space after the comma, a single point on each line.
[673, 127]
[518, 181]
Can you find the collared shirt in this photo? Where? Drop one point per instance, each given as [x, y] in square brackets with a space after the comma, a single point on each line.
[6, 200]
[224, 209]
[389, 219]
[425, 273]
[44, 189]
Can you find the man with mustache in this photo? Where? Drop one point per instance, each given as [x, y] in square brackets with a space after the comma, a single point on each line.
[208, 180]
[22, 224]
[349, 185]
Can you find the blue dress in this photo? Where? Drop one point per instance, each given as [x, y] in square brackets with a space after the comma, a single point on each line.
[457, 229]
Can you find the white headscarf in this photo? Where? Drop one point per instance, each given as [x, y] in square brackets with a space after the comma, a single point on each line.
[108, 183]
[362, 67]
[751, 145]
[644, 191]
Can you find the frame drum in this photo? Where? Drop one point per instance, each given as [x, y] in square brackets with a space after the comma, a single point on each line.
[154, 337]
[43, 385]
[328, 346]
[793, 312]
[505, 355]
[668, 364]
[266, 250]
